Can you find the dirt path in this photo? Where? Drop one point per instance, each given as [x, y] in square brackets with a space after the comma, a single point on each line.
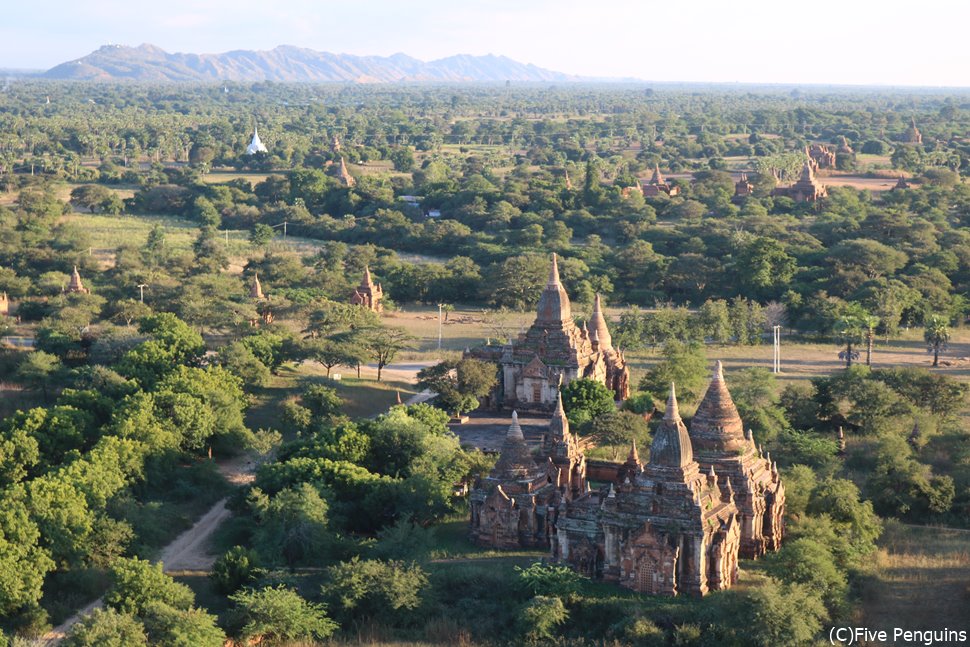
[190, 550]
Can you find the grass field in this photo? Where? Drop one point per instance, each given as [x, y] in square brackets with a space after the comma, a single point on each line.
[921, 580]
[363, 397]
[107, 233]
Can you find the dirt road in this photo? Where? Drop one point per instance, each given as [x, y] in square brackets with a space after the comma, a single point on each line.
[190, 550]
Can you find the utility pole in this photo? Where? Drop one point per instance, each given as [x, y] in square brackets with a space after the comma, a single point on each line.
[776, 360]
[439, 326]
[141, 291]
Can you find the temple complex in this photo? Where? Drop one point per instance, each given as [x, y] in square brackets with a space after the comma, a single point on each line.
[76, 285]
[368, 294]
[720, 444]
[806, 189]
[677, 525]
[256, 145]
[901, 184]
[669, 530]
[552, 352]
[657, 185]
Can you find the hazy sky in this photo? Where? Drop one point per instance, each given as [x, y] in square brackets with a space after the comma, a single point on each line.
[885, 42]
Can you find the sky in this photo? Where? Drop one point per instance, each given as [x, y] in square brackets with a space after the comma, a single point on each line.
[856, 42]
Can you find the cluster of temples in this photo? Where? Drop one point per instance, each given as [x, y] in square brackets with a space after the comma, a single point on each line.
[553, 352]
[706, 497]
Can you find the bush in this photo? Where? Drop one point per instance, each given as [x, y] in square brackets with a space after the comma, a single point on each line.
[276, 615]
[107, 628]
[236, 568]
[541, 617]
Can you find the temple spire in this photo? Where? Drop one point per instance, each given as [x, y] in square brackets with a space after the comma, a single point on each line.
[554, 272]
[554, 309]
[559, 423]
[634, 455]
[256, 289]
[672, 413]
[598, 323]
[671, 445]
[515, 431]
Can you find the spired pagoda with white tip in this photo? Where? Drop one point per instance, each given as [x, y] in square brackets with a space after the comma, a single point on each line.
[553, 352]
[256, 145]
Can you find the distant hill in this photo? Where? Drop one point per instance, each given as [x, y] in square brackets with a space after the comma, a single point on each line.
[287, 63]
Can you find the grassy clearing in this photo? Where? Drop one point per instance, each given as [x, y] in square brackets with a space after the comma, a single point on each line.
[921, 579]
[363, 397]
[106, 233]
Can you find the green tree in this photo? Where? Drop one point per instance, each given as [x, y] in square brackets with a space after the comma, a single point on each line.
[851, 329]
[107, 628]
[541, 617]
[936, 333]
[276, 616]
[383, 344]
[685, 365]
[585, 399]
[39, 370]
[191, 627]
[459, 383]
[374, 589]
[260, 235]
[236, 568]
[137, 584]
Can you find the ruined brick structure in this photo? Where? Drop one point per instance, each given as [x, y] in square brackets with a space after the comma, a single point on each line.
[368, 294]
[4, 304]
[742, 188]
[76, 285]
[669, 530]
[820, 157]
[657, 185]
[806, 189]
[262, 302]
[553, 352]
[912, 134]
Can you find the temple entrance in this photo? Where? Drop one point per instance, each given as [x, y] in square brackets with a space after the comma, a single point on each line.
[646, 577]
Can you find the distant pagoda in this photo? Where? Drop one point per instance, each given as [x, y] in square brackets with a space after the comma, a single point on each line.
[256, 145]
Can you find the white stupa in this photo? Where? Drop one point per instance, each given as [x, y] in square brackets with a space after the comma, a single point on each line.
[255, 146]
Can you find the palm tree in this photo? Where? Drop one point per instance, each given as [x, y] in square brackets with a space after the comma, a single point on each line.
[937, 336]
[850, 329]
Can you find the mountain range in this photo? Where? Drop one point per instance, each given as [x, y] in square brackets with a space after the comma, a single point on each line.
[291, 64]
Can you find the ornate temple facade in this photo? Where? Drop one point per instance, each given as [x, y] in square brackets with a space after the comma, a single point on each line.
[516, 504]
[553, 352]
[368, 294]
[657, 185]
[669, 530]
[806, 189]
[720, 443]
[677, 525]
